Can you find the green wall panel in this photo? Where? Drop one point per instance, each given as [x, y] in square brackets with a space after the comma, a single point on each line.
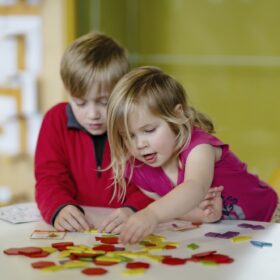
[225, 52]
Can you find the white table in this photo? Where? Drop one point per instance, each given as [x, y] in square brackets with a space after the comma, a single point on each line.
[250, 262]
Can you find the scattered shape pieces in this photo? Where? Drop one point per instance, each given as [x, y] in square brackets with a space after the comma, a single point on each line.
[27, 251]
[105, 247]
[192, 246]
[203, 254]
[241, 238]
[136, 271]
[254, 227]
[42, 264]
[133, 265]
[107, 239]
[61, 246]
[94, 271]
[260, 244]
[226, 235]
[12, 251]
[211, 257]
[173, 261]
[91, 230]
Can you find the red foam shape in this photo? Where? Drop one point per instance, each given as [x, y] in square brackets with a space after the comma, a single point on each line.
[132, 265]
[60, 245]
[12, 251]
[42, 254]
[173, 261]
[105, 263]
[27, 251]
[107, 240]
[203, 254]
[106, 248]
[42, 264]
[218, 258]
[94, 271]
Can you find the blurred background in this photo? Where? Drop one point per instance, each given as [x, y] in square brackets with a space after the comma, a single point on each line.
[225, 52]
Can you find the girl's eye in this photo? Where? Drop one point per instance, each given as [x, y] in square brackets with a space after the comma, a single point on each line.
[150, 130]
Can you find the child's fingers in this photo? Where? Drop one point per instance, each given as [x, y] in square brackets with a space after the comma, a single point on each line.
[107, 222]
[205, 204]
[115, 223]
[66, 225]
[118, 229]
[78, 220]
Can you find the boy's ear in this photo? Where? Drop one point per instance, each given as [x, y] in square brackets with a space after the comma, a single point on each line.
[178, 109]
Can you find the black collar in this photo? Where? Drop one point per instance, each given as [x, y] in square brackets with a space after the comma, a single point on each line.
[71, 120]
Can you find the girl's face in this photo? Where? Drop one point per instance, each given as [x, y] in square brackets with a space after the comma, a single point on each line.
[153, 141]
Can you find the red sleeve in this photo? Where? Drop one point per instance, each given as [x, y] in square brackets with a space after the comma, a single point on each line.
[136, 198]
[54, 186]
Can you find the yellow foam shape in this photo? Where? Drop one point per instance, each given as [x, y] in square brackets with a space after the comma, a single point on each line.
[74, 264]
[241, 238]
[91, 251]
[49, 249]
[153, 257]
[154, 238]
[53, 268]
[135, 271]
[108, 259]
[64, 254]
[91, 230]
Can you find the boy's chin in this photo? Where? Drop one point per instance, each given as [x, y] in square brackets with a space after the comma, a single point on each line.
[96, 132]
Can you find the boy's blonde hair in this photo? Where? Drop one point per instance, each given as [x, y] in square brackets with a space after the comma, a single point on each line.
[92, 58]
[160, 93]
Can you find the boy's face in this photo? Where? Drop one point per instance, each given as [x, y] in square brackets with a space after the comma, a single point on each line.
[91, 111]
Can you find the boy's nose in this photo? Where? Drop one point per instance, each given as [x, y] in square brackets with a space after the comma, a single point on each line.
[93, 113]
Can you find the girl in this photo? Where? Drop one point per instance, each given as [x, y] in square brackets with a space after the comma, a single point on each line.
[166, 147]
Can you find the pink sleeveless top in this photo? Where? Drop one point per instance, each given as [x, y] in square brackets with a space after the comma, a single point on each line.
[245, 196]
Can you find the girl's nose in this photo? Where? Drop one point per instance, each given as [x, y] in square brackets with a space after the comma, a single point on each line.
[141, 143]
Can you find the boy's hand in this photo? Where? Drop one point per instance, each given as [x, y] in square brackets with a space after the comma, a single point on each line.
[115, 221]
[70, 218]
[138, 226]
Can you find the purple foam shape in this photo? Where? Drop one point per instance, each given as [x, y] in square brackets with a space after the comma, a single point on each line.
[212, 234]
[229, 234]
[254, 227]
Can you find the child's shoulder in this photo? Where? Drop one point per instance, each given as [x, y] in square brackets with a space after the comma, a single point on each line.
[199, 136]
[58, 110]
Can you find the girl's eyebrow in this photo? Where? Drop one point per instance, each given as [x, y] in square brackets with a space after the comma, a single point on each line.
[147, 125]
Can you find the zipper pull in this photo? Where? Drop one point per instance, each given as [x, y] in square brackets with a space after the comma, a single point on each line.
[98, 171]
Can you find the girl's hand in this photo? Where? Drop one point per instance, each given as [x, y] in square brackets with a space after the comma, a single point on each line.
[70, 218]
[115, 221]
[213, 212]
[138, 226]
[209, 198]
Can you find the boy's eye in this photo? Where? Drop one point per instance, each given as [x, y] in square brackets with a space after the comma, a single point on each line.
[80, 103]
[103, 102]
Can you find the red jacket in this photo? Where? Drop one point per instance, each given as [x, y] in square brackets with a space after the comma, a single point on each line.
[66, 169]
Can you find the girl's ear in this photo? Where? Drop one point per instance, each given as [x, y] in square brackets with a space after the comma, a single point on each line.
[178, 109]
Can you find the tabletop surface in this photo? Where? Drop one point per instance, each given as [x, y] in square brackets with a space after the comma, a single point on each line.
[250, 262]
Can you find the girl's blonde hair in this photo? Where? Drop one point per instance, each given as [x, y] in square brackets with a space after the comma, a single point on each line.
[93, 58]
[160, 93]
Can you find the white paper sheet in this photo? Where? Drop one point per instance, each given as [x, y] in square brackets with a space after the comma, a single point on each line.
[20, 213]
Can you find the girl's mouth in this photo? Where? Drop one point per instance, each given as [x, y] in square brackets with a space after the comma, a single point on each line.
[150, 158]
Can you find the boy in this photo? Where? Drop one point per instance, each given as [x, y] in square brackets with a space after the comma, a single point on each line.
[72, 155]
